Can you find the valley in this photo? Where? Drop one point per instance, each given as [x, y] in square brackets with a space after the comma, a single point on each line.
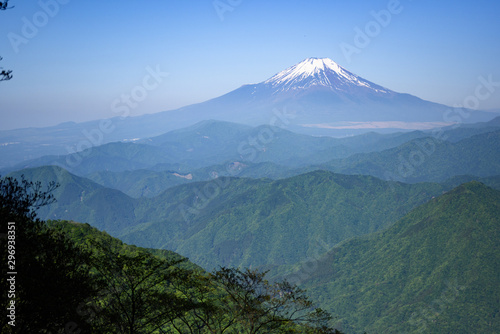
[394, 231]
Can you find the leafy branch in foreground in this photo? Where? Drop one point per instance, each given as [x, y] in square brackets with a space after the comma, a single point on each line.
[22, 198]
[54, 280]
[137, 295]
[268, 308]
[5, 75]
[4, 4]
[245, 302]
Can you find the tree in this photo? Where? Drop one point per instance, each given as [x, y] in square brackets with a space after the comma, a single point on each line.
[4, 4]
[245, 302]
[51, 277]
[215, 314]
[21, 198]
[5, 75]
[137, 293]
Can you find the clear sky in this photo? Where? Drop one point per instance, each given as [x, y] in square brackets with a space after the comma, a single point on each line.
[72, 60]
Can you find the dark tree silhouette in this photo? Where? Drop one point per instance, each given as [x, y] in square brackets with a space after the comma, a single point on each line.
[137, 295]
[245, 302]
[4, 4]
[51, 277]
[5, 75]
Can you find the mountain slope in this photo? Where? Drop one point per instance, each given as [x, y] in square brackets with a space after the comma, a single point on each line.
[149, 183]
[315, 96]
[315, 72]
[427, 160]
[231, 221]
[243, 222]
[434, 271]
[83, 200]
[204, 144]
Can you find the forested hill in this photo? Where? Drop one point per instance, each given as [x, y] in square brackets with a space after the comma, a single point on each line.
[437, 270]
[67, 277]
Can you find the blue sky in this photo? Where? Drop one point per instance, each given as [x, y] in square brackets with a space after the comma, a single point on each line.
[82, 56]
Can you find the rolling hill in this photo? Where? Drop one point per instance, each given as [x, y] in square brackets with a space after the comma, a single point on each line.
[247, 222]
[434, 271]
[81, 199]
[427, 160]
[237, 221]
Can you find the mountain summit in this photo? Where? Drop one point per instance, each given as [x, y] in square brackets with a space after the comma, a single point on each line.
[316, 96]
[324, 98]
[320, 72]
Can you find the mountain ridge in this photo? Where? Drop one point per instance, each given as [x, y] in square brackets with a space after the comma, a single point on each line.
[317, 110]
[436, 270]
[319, 72]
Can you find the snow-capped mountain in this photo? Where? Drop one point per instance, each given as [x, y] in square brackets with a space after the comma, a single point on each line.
[320, 72]
[316, 96]
[323, 96]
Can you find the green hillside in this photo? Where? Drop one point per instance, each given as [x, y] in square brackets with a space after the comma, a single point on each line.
[427, 160]
[80, 199]
[82, 280]
[245, 222]
[437, 270]
[237, 221]
[151, 183]
[84, 235]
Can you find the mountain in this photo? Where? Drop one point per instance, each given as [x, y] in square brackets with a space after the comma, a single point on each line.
[115, 157]
[322, 73]
[427, 160]
[198, 146]
[151, 183]
[215, 148]
[315, 96]
[81, 199]
[458, 132]
[246, 222]
[237, 221]
[437, 270]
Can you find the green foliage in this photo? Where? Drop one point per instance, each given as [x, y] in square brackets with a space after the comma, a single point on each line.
[245, 302]
[143, 293]
[434, 271]
[138, 296]
[265, 307]
[244, 222]
[240, 222]
[50, 279]
[84, 280]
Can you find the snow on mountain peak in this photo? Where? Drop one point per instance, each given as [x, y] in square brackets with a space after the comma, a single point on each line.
[319, 72]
